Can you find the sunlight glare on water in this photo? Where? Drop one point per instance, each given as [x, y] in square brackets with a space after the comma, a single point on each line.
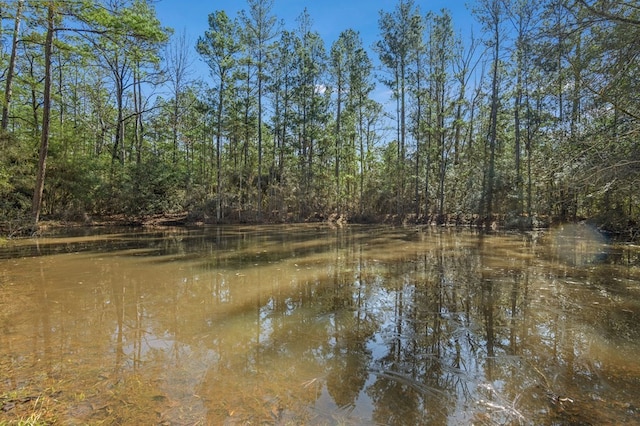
[579, 244]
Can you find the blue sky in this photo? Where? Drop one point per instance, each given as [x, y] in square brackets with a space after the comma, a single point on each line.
[329, 17]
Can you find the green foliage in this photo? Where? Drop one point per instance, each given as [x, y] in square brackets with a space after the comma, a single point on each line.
[71, 191]
[152, 188]
[290, 129]
[16, 179]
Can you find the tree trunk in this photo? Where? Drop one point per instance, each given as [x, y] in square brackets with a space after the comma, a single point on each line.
[518, 134]
[118, 140]
[362, 154]
[260, 135]
[137, 91]
[218, 143]
[46, 113]
[337, 144]
[493, 123]
[403, 130]
[12, 66]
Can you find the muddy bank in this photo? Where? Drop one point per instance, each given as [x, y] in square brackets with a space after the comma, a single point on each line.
[17, 229]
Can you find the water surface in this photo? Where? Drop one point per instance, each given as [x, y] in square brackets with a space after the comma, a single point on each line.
[320, 326]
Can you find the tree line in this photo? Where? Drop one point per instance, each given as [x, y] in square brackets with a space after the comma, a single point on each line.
[534, 119]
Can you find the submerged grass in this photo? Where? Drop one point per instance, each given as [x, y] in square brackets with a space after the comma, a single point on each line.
[25, 410]
[33, 420]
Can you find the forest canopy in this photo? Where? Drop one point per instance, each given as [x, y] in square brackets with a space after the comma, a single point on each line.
[534, 120]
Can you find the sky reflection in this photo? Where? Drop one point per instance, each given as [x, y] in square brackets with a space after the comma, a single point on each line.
[320, 326]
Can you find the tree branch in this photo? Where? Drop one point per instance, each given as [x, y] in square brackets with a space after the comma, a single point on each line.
[607, 15]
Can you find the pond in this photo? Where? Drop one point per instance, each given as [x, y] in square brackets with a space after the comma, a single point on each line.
[308, 324]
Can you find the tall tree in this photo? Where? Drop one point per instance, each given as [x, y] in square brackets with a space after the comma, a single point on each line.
[46, 114]
[609, 120]
[262, 28]
[351, 72]
[339, 58]
[361, 86]
[219, 47]
[522, 16]
[283, 66]
[417, 79]
[178, 64]
[311, 105]
[442, 44]
[491, 13]
[465, 62]
[342, 66]
[123, 30]
[400, 31]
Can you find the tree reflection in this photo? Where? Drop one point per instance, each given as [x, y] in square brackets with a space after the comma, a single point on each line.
[329, 326]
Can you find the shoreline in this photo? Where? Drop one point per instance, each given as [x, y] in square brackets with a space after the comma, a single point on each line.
[185, 219]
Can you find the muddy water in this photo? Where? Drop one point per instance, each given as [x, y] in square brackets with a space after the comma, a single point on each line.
[312, 325]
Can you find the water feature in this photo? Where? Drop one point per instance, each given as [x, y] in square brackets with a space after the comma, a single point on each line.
[308, 324]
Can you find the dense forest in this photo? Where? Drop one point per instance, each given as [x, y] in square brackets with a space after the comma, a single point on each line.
[535, 119]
